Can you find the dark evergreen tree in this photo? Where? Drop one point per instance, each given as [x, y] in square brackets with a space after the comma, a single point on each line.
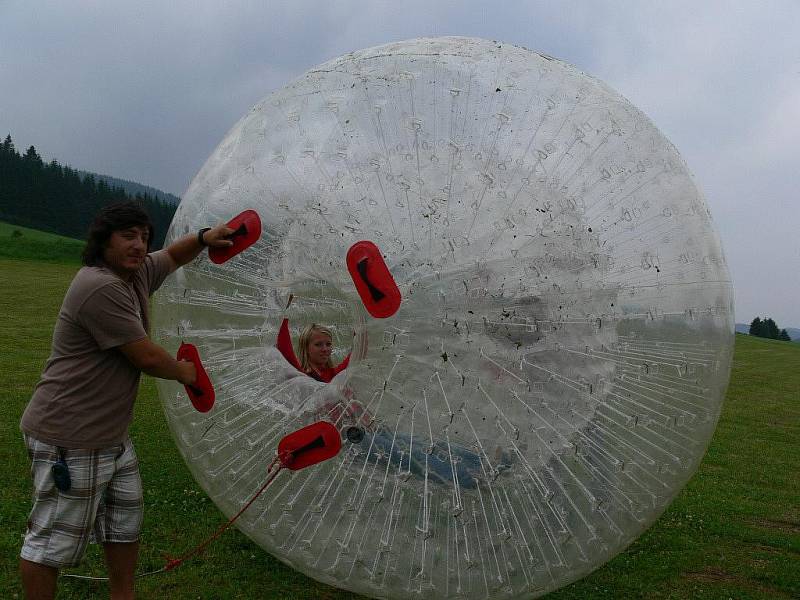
[32, 157]
[771, 330]
[755, 327]
[8, 145]
[784, 336]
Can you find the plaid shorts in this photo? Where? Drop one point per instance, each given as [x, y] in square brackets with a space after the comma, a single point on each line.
[103, 504]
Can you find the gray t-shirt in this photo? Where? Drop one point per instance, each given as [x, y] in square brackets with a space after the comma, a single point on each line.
[86, 394]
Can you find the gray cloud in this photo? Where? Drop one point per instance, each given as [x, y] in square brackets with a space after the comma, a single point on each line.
[146, 90]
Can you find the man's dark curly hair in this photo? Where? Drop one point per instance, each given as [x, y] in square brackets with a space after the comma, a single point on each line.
[114, 217]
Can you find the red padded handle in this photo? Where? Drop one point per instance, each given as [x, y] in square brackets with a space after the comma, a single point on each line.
[247, 229]
[374, 281]
[309, 446]
[202, 392]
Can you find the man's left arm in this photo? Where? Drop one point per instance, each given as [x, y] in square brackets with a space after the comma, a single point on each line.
[185, 249]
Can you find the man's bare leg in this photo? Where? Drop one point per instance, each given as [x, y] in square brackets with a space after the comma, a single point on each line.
[121, 562]
[38, 581]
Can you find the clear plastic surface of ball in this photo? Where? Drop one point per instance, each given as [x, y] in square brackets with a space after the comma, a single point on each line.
[557, 363]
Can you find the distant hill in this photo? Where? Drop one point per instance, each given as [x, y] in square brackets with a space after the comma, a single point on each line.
[22, 243]
[132, 188]
[58, 199]
[793, 332]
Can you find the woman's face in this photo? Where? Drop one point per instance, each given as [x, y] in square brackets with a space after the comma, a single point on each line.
[319, 348]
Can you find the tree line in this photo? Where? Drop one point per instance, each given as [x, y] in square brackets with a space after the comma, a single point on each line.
[55, 198]
[768, 329]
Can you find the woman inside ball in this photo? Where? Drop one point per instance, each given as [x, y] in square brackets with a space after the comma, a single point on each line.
[315, 347]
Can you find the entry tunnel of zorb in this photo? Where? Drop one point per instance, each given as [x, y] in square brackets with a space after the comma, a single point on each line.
[555, 367]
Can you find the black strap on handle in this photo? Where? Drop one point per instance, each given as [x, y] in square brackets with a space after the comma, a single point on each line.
[376, 294]
[318, 442]
[242, 230]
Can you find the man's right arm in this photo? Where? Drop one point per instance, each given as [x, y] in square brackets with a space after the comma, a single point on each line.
[152, 359]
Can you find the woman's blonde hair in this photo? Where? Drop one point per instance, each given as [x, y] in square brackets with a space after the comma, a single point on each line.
[305, 340]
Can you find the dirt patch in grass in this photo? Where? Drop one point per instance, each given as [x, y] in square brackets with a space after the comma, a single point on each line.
[766, 549]
[716, 575]
[785, 526]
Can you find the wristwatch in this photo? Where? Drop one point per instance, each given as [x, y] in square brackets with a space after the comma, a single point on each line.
[200, 234]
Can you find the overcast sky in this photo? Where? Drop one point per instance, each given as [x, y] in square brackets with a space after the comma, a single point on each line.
[146, 90]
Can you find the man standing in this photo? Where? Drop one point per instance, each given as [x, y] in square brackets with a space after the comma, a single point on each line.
[76, 423]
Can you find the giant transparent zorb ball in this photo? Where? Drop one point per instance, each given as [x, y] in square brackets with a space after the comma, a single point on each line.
[557, 364]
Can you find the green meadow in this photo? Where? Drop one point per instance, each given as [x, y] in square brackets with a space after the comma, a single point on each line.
[29, 244]
[733, 532]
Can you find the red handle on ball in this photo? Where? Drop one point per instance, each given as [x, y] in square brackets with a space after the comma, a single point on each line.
[202, 392]
[247, 229]
[309, 446]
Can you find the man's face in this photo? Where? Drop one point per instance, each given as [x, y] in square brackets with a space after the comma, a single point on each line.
[125, 250]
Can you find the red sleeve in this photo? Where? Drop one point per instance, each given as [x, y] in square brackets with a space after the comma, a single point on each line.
[284, 345]
[328, 374]
[342, 366]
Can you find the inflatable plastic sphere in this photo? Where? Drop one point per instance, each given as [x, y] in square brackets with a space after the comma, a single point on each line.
[557, 362]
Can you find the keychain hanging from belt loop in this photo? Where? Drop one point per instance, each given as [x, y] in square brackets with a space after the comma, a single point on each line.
[60, 471]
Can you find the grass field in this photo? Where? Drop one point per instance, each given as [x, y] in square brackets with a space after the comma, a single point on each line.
[29, 244]
[733, 532]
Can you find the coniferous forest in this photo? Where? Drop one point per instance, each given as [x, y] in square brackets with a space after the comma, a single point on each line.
[767, 328]
[55, 198]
